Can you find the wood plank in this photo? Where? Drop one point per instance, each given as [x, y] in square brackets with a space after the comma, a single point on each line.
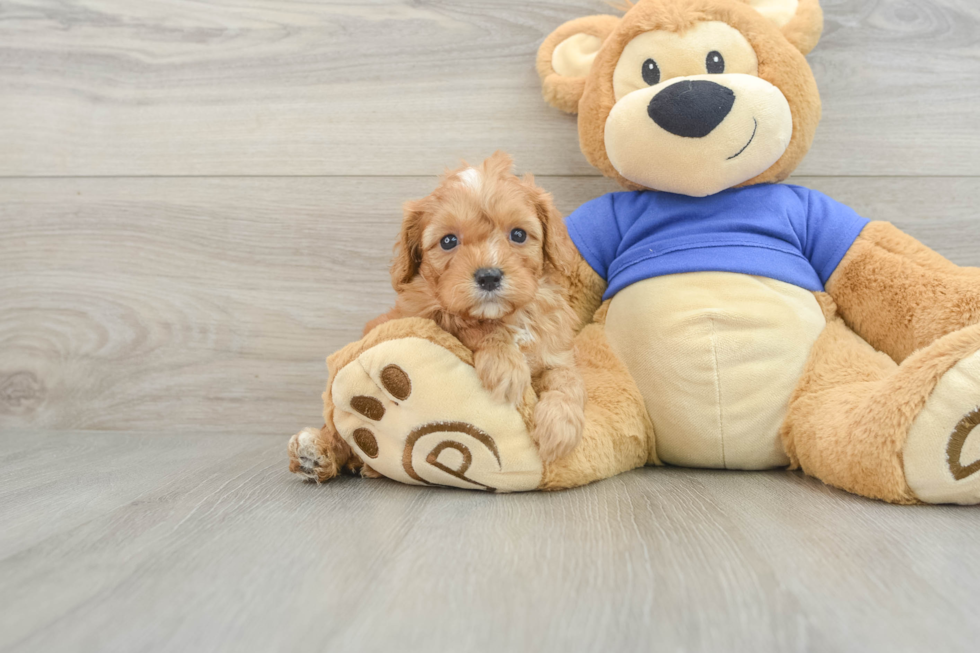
[128, 304]
[105, 87]
[870, 557]
[187, 542]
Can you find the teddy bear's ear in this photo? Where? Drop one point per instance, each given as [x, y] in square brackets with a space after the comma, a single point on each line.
[800, 20]
[565, 59]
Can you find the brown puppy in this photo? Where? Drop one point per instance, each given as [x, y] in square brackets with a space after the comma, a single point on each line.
[479, 256]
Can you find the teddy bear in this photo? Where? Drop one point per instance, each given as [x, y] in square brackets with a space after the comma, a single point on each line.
[728, 320]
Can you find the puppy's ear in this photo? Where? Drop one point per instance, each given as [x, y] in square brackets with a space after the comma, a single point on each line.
[801, 21]
[408, 249]
[565, 59]
[498, 164]
[559, 252]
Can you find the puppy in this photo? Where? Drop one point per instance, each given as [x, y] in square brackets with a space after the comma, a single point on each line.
[481, 257]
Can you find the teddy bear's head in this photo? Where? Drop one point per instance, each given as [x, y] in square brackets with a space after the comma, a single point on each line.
[689, 96]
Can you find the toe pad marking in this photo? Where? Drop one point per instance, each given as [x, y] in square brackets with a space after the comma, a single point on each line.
[368, 406]
[366, 442]
[396, 382]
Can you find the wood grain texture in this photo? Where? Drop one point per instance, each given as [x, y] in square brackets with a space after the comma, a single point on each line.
[130, 304]
[160, 542]
[199, 204]
[287, 87]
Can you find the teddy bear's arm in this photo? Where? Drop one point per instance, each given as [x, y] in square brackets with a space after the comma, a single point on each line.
[583, 287]
[899, 295]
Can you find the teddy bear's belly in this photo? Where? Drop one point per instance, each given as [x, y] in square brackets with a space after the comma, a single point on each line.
[717, 356]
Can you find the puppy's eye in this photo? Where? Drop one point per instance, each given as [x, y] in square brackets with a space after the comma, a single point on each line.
[651, 72]
[448, 242]
[518, 235]
[715, 63]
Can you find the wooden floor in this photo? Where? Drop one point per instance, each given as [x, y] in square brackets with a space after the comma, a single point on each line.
[197, 204]
[122, 541]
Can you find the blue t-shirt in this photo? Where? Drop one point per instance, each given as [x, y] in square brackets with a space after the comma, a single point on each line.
[783, 232]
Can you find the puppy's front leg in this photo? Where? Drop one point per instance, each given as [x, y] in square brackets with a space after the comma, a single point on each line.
[559, 416]
[321, 454]
[501, 366]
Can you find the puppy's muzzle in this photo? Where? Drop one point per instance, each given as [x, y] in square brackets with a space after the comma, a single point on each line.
[488, 279]
[691, 108]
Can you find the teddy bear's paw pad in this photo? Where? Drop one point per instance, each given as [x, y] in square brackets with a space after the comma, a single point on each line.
[416, 413]
[308, 459]
[942, 452]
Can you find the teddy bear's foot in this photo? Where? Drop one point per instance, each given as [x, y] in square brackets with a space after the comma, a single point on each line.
[416, 413]
[309, 458]
[942, 452]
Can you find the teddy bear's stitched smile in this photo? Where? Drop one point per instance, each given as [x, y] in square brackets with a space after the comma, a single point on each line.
[755, 129]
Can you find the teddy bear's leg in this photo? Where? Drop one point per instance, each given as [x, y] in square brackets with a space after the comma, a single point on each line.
[417, 413]
[618, 434]
[322, 454]
[409, 404]
[899, 295]
[901, 433]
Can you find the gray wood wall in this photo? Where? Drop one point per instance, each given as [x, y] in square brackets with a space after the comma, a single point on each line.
[198, 199]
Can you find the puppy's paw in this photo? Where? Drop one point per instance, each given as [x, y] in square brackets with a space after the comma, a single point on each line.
[505, 375]
[310, 458]
[558, 426]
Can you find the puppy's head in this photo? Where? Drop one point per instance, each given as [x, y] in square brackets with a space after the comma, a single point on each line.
[482, 242]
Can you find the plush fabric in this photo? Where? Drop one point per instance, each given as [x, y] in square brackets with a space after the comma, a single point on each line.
[780, 63]
[947, 474]
[901, 296]
[573, 57]
[560, 91]
[422, 435]
[707, 375]
[854, 406]
[764, 326]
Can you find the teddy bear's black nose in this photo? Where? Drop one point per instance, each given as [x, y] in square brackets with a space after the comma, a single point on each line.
[692, 108]
[488, 278]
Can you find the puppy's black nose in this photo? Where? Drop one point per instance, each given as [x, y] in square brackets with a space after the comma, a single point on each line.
[691, 108]
[488, 278]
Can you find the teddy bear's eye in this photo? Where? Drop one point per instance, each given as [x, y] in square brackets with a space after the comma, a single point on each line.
[715, 63]
[651, 72]
[448, 242]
